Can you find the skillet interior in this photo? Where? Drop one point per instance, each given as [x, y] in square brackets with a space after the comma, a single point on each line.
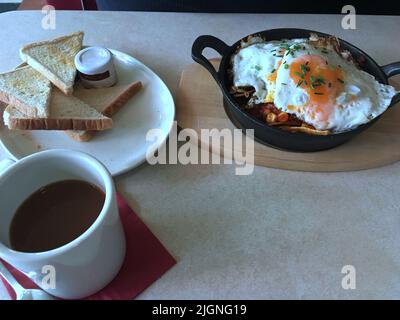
[275, 136]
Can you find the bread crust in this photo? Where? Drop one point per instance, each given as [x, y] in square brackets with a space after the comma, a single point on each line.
[122, 99]
[81, 136]
[59, 124]
[59, 39]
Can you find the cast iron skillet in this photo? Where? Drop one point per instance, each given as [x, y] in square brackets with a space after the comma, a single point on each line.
[271, 135]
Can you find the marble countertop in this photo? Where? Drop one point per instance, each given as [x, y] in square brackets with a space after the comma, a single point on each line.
[274, 234]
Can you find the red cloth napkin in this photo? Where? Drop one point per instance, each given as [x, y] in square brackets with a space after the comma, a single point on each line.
[146, 260]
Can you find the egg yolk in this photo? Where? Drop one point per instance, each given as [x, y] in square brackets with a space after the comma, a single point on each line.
[322, 82]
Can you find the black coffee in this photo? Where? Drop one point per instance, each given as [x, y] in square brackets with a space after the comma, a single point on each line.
[55, 215]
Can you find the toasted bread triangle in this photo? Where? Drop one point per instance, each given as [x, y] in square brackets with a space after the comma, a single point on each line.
[107, 101]
[54, 59]
[27, 90]
[67, 113]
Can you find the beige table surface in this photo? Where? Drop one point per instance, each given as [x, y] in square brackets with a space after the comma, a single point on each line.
[274, 234]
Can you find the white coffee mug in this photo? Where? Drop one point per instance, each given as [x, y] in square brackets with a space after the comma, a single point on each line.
[88, 263]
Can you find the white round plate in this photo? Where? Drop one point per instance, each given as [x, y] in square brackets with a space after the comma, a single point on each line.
[124, 146]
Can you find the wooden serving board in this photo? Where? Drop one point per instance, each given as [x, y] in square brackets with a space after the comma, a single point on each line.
[199, 106]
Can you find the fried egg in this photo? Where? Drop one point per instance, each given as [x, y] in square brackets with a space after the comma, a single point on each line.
[256, 65]
[314, 83]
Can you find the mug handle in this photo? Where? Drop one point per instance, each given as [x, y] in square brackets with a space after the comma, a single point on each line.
[5, 164]
[391, 70]
[212, 42]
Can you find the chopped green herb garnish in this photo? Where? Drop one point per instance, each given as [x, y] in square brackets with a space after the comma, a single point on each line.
[290, 50]
[273, 70]
[286, 66]
[285, 84]
[299, 83]
[319, 93]
[299, 74]
[257, 67]
[304, 68]
[320, 79]
[340, 80]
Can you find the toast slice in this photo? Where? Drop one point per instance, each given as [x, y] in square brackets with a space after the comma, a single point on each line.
[27, 90]
[67, 113]
[107, 101]
[54, 59]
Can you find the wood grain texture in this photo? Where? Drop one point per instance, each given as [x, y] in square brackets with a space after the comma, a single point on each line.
[199, 106]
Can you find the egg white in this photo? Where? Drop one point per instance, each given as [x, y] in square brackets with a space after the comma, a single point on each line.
[253, 65]
[362, 99]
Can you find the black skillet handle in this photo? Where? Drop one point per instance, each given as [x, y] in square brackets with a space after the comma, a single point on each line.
[212, 42]
[391, 70]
